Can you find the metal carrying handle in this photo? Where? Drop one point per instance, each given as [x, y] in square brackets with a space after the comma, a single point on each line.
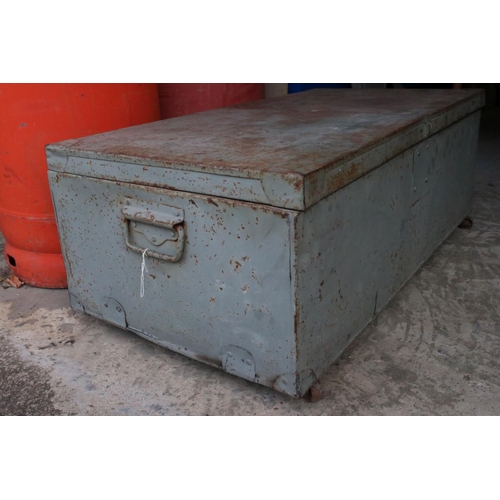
[155, 215]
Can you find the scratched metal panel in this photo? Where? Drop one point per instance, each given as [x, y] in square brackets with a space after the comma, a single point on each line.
[352, 247]
[226, 302]
[443, 183]
[288, 152]
[357, 247]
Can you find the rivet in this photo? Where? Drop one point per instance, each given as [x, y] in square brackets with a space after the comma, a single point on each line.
[119, 309]
[105, 305]
[153, 239]
[414, 189]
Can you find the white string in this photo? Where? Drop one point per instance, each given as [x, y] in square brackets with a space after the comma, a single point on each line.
[143, 266]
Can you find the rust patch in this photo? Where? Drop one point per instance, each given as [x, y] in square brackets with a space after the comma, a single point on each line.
[343, 177]
[298, 184]
[236, 264]
[210, 200]
[296, 322]
[268, 132]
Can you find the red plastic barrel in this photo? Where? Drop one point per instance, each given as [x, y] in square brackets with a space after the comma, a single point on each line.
[32, 116]
[177, 99]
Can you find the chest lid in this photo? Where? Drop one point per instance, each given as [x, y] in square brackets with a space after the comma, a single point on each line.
[288, 152]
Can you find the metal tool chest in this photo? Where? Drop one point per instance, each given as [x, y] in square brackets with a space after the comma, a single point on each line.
[268, 235]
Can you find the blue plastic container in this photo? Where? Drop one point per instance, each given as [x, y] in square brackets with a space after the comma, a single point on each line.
[293, 88]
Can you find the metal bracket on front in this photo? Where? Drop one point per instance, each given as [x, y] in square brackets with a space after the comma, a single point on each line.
[113, 312]
[238, 361]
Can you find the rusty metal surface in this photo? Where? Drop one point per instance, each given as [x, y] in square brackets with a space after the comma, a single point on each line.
[356, 248]
[269, 294]
[288, 152]
[226, 302]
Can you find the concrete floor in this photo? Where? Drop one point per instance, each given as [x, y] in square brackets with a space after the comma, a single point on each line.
[434, 350]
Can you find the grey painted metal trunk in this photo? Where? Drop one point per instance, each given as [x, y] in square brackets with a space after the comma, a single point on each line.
[271, 233]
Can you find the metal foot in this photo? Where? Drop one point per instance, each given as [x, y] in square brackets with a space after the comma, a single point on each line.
[466, 223]
[315, 393]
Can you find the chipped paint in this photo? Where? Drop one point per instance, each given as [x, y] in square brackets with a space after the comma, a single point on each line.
[270, 291]
[274, 151]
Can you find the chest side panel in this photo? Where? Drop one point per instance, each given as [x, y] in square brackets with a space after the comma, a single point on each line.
[358, 246]
[227, 298]
[352, 253]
